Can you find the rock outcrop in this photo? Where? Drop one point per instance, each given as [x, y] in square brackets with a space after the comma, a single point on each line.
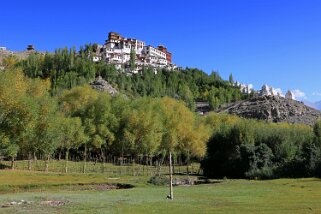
[102, 85]
[273, 109]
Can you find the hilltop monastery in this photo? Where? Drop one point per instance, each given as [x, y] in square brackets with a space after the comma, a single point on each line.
[118, 50]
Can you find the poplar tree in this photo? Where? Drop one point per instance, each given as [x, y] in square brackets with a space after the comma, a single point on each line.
[132, 59]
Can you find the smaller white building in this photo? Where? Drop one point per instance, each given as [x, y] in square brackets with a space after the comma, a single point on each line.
[3, 48]
[150, 51]
[244, 88]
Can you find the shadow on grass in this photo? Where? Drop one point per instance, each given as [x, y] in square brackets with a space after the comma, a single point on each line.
[204, 180]
[64, 187]
[3, 166]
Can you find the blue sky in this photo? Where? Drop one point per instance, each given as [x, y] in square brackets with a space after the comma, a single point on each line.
[277, 42]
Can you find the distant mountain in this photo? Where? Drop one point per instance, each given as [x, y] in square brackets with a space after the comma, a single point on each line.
[316, 105]
[273, 109]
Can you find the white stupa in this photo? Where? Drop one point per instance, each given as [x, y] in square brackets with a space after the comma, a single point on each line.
[290, 95]
[265, 91]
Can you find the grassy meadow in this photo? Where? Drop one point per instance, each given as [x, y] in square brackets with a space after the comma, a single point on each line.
[220, 196]
[106, 168]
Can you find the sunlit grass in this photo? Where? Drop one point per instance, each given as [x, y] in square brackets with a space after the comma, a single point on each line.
[225, 196]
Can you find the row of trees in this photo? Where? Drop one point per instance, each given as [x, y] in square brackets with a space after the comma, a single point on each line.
[248, 148]
[67, 68]
[84, 123]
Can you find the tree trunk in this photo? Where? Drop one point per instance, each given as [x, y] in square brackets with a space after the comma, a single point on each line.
[133, 166]
[103, 159]
[66, 158]
[12, 163]
[47, 163]
[85, 159]
[187, 161]
[59, 155]
[171, 195]
[122, 154]
[173, 165]
[146, 162]
[35, 159]
[29, 161]
[34, 156]
[160, 165]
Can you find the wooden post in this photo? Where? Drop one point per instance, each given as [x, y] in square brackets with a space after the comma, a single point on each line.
[12, 163]
[47, 164]
[85, 159]
[66, 161]
[29, 161]
[171, 195]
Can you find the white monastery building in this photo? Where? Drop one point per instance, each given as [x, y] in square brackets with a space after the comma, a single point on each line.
[119, 50]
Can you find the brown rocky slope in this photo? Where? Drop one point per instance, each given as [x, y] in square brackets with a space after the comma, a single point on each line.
[273, 109]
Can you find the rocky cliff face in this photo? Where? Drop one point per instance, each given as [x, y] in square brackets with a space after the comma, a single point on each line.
[273, 109]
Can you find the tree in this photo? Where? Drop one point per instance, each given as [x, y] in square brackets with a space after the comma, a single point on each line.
[231, 79]
[178, 122]
[10, 61]
[74, 101]
[132, 59]
[48, 129]
[142, 128]
[317, 131]
[72, 135]
[16, 112]
[186, 94]
[100, 124]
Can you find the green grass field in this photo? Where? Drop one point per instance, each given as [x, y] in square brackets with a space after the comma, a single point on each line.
[91, 167]
[224, 196]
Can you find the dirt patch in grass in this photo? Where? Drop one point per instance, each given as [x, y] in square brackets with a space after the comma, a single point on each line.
[101, 186]
[63, 187]
[14, 203]
[54, 203]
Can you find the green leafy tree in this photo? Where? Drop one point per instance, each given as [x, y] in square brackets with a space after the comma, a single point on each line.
[72, 135]
[231, 79]
[132, 59]
[100, 124]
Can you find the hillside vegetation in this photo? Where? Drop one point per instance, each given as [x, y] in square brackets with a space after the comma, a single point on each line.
[48, 111]
[69, 68]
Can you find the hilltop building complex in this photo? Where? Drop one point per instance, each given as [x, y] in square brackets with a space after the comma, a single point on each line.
[127, 54]
[120, 51]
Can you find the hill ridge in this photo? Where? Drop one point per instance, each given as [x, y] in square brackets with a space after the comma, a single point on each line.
[273, 109]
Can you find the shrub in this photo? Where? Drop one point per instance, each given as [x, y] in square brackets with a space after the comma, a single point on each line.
[159, 180]
[263, 173]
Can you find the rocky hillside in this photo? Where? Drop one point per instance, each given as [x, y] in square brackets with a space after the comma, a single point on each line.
[273, 109]
[102, 85]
